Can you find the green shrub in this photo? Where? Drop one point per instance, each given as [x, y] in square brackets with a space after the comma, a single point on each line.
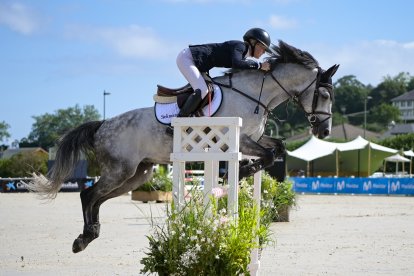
[23, 165]
[276, 196]
[159, 182]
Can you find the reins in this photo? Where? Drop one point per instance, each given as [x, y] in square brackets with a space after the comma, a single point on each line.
[230, 86]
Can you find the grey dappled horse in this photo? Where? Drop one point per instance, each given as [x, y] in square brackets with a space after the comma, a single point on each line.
[127, 146]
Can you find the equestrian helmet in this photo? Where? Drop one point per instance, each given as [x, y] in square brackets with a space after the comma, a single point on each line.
[257, 34]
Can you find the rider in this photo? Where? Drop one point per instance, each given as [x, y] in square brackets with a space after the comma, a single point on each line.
[197, 59]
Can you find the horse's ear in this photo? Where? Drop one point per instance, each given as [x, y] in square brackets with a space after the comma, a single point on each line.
[332, 70]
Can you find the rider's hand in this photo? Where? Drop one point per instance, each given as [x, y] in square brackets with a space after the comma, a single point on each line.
[265, 66]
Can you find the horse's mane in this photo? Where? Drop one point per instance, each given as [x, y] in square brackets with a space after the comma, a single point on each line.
[286, 53]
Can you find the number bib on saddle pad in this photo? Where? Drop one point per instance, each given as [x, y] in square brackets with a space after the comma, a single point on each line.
[164, 112]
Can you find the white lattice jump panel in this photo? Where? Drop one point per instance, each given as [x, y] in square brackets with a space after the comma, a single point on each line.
[199, 139]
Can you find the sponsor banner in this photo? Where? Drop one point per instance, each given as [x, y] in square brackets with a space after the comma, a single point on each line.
[401, 186]
[344, 185]
[15, 185]
[314, 185]
[377, 186]
[348, 185]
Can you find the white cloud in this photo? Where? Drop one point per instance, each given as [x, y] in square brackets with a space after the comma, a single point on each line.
[19, 18]
[281, 22]
[132, 41]
[369, 61]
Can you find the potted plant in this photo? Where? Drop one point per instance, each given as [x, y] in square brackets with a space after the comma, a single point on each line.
[279, 197]
[158, 189]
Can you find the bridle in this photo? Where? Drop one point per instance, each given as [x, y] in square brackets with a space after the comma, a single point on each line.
[296, 98]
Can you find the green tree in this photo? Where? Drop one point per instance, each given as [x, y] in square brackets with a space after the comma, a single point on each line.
[23, 164]
[4, 133]
[410, 85]
[49, 127]
[350, 94]
[384, 114]
[400, 142]
[390, 88]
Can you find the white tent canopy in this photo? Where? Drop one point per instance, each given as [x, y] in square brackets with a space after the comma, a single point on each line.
[397, 158]
[367, 152]
[313, 149]
[409, 153]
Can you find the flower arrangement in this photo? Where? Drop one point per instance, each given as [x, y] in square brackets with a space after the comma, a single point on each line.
[278, 197]
[201, 240]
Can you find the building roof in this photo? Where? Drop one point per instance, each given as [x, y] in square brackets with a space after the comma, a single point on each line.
[404, 97]
[343, 131]
[399, 129]
[10, 152]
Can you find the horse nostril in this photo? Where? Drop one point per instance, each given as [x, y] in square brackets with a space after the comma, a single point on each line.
[326, 132]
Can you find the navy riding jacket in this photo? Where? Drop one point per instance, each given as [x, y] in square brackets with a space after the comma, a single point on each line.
[229, 54]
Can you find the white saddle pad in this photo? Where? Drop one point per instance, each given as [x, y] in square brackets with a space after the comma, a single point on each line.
[164, 112]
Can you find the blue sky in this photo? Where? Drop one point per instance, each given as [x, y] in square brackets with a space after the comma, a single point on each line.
[56, 54]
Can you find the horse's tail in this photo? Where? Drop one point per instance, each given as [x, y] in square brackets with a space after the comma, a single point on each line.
[69, 148]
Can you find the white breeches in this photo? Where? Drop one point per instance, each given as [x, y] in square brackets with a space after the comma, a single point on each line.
[191, 73]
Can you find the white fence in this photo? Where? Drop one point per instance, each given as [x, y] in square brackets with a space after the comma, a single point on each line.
[211, 139]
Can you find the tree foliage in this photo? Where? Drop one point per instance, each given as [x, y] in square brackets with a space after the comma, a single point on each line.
[390, 88]
[350, 95]
[4, 133]
[400, 142]
[23, 164]
[49, 127]
[383, 114]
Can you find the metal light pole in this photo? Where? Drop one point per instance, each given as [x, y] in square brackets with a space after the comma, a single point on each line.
[104, 104]
[365, 113]
[343, 109]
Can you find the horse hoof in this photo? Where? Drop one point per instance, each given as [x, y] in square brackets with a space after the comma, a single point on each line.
[78, 245]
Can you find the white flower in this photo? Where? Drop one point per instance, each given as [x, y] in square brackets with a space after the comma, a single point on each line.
[223, 211]
[217, 257]
[193, 238]
[199, 232]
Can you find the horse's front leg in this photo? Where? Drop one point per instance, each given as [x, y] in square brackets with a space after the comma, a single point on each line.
[276, 145]
[252, 148]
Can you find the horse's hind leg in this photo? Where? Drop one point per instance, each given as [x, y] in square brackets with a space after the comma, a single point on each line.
[142, 175]
[93, 197]
[90, 229]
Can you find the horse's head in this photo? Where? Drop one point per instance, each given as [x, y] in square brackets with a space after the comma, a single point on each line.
[320, 115]
[317, 96]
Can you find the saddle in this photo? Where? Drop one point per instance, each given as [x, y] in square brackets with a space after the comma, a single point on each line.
[181, 94]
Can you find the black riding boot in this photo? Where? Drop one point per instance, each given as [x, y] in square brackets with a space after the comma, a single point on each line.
[189, 107]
